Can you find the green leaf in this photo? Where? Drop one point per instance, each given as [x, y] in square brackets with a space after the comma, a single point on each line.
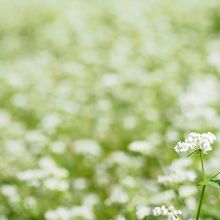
[213, 183]
[217, 182]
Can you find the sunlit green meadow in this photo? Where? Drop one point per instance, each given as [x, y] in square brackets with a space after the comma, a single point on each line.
[94, 95]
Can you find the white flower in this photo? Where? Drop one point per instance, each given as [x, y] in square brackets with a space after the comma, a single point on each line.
[177, 173]
[76, 212]
[56, 184]
[142, 212]
[120, 217]
[214, 58]
[11, 193]
[163, 197]
[140, 147]
[87, 147]
[196, 141]
[187, 191]
[52, 176]
[170, 212]
[118, 195]
[177, 177]
[80, 183]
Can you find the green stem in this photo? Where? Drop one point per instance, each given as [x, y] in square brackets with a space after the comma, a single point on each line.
[202, 163]
[203, 188]
[200, 202]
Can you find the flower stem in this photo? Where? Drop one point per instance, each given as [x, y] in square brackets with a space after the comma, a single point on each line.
[200, 202]
[203, 188]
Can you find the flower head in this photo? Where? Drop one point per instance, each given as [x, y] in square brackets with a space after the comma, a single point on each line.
[196, 141]
[143, 211]
[170, 212]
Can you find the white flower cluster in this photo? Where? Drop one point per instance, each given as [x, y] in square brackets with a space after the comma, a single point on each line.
[11, 193]
[118, 195]
[142, 147]
[170, 212]
[143, 211]
[76, 212]
[196, 141]
[177, 173]
[87, 147]
[177, 177]
[49, 175]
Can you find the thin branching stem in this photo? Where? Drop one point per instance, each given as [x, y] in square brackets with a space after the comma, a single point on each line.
[215, 175]
[203, 188]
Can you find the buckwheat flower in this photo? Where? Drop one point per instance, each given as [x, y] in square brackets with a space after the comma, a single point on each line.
[117, 195]
[142, 147]
[170, 212]
[177, 173]
[80, 183]
[142, 212]
[187, 191]
[120, 217]
[163, 197]
[177, 177]
[56, 184]
[30, 202]
[196, 141]
[11, 193]
[214, 58]
[87, 147]
[76, 212]
[5, 119]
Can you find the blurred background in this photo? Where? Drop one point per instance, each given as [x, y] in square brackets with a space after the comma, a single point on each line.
[94, 95]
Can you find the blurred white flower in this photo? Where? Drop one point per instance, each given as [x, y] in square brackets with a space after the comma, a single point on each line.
[187, 191]
[49, 174]
[11, 193]
[191, 203]
[87, 147]
[58, 214]
[161, 197]
[177, 177]
[214, 58]
[117, 195]
[58, 147]
[56, 184]
[90, 200]
[142, 212]
[141, 147]
[51, 122]
[30, 202]
[110, 80]
[129, 181]
[5, 118]
[80, 183]
[75, 212]
[178, 173]
[120, 217]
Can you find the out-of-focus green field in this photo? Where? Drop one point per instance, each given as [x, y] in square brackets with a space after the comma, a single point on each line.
[94, 95]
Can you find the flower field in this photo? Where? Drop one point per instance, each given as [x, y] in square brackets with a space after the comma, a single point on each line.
[109, 110]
